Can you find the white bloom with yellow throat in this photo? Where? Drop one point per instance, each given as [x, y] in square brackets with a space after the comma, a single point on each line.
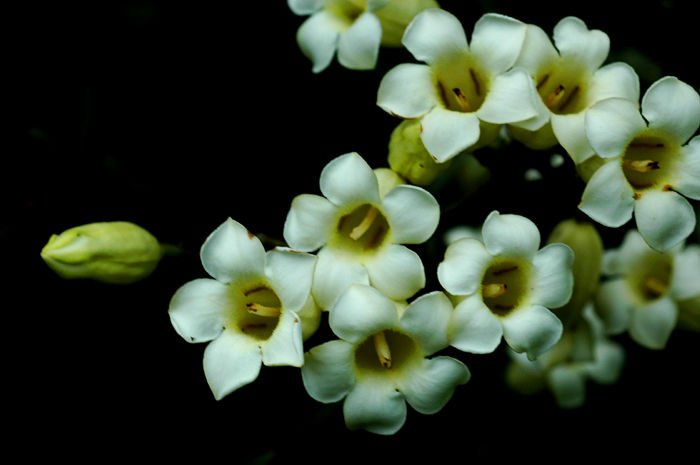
[257, 310]
[360, 226]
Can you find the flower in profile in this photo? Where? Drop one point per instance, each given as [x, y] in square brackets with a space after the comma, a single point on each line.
[353, 28]
[650, 165]
[644, 288]
[359, 225]
[465, 92]
[507, 286]
[252, 312]
[116, 252]
[380, 361]
[569, 79]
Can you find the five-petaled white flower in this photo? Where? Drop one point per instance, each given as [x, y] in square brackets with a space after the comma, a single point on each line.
[508, 287]
[359, 231]
[252, 311]
[348, 26]
[649, 166]
[466, 92]
[645, 287]
[379, 363]
[569, 79]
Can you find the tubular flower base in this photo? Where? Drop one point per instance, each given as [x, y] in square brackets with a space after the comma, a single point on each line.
[507, 287]
[251, 310]
[379, 363]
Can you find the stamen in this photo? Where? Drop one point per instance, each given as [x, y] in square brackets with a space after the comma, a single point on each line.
[263, 310]
[362, 228]
[491, 291]
[554, 97]
[643, 166]
[505, 270]
[382, 348]
[543, 81]
[655, 287]
[462, 99]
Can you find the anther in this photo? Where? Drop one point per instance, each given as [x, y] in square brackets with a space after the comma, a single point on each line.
[655, 287]
[462, 99]
[262, 310]
[382, 348]
[362, 228]
[554, 97]
[491, 291]
[643, 166]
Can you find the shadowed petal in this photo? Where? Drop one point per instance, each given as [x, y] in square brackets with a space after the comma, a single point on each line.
[358, 47]
[673, 107]
[587, 47]
[328, 371]
[474, 328]
[334, 273]
[291, 274]
[615, 302]
[348, 179]
[608, 198]
[318, 39]
[433, 34]
[285, 346]
[510, 235]
[553, 279]
[611, 124]
[397, 271]
[429, 388]
[497, 41]
[376, 406]
[361, 311]
[231, 360]
[664, 218]
[309, 222]
[463, 268]
[232, 252]
[407, 91]
[652, 324]
[412, 212]
[197, 310]
[533, 330]
[426, 321]
[446, 132]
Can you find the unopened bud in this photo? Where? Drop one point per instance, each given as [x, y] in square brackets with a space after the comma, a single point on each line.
[396, 15]
[115, 252]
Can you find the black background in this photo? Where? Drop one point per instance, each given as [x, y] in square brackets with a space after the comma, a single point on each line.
[176, 116]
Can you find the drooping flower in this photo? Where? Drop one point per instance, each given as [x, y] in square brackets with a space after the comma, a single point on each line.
[569, 80]
[465, 92]
[380, 361]
[507, 286]
[651, 165]
[359, 230]
[116, 252]
[253, 312]
[645, 286]
[353, 28]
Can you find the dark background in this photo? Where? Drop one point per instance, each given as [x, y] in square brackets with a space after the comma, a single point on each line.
[176, 116]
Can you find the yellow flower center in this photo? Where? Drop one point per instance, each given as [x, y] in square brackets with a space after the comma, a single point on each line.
[562, 87]
[362, 230]
[504, 286]
[651, 276]
[460, 82]
[256, 310]
[387, 351]
[649, 161]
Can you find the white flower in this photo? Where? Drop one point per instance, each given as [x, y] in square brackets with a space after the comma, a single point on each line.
[379, 363]
[649, 167]
[466, 91]
[348, 26]
[359, 231]
[645, 287]
[582, 355]
[569, 80]
[508, 287]
[250, 311]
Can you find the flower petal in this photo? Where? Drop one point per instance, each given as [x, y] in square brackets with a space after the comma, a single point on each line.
[474, 328]
[430, 386]
[615, 302]
[426, 321]
[397, 271]
[328, 371]
[567, 385]
[285, 346]
[688, 170]
[334, 273]
[672, 106]
[358, 47]
[305, 7]
[309, 222]
[590, 48]
[318, 39]
[290, 274]
[376, 406]
[512, 98]
[231, 252]
[686, 271]
[445, 133]
[611, 124]
[537, 49]
[348, 179]
[463, 268]
[608, 364]
[412, 212]
[664, 218]
[497, 41]
[510, 235]
[435, 33]
[608, 198]
[197, 310]
[571, 134]
[614, 80]
[554, 281]
[533, 330]
[361, 311]
[407, 91]
[231, 360]
[652, 324]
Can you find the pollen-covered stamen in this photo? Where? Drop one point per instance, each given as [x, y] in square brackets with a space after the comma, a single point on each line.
[364, 225]
[554, 98]
[382, 347]
[262, 310]
[643, 166]
[491, 291]
[653, 287]
[462, 99]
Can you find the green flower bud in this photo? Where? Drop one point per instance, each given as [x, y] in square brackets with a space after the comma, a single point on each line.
[396, 15]
[408, 156]
[587, 245]
[387, 179]
[116, 252]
